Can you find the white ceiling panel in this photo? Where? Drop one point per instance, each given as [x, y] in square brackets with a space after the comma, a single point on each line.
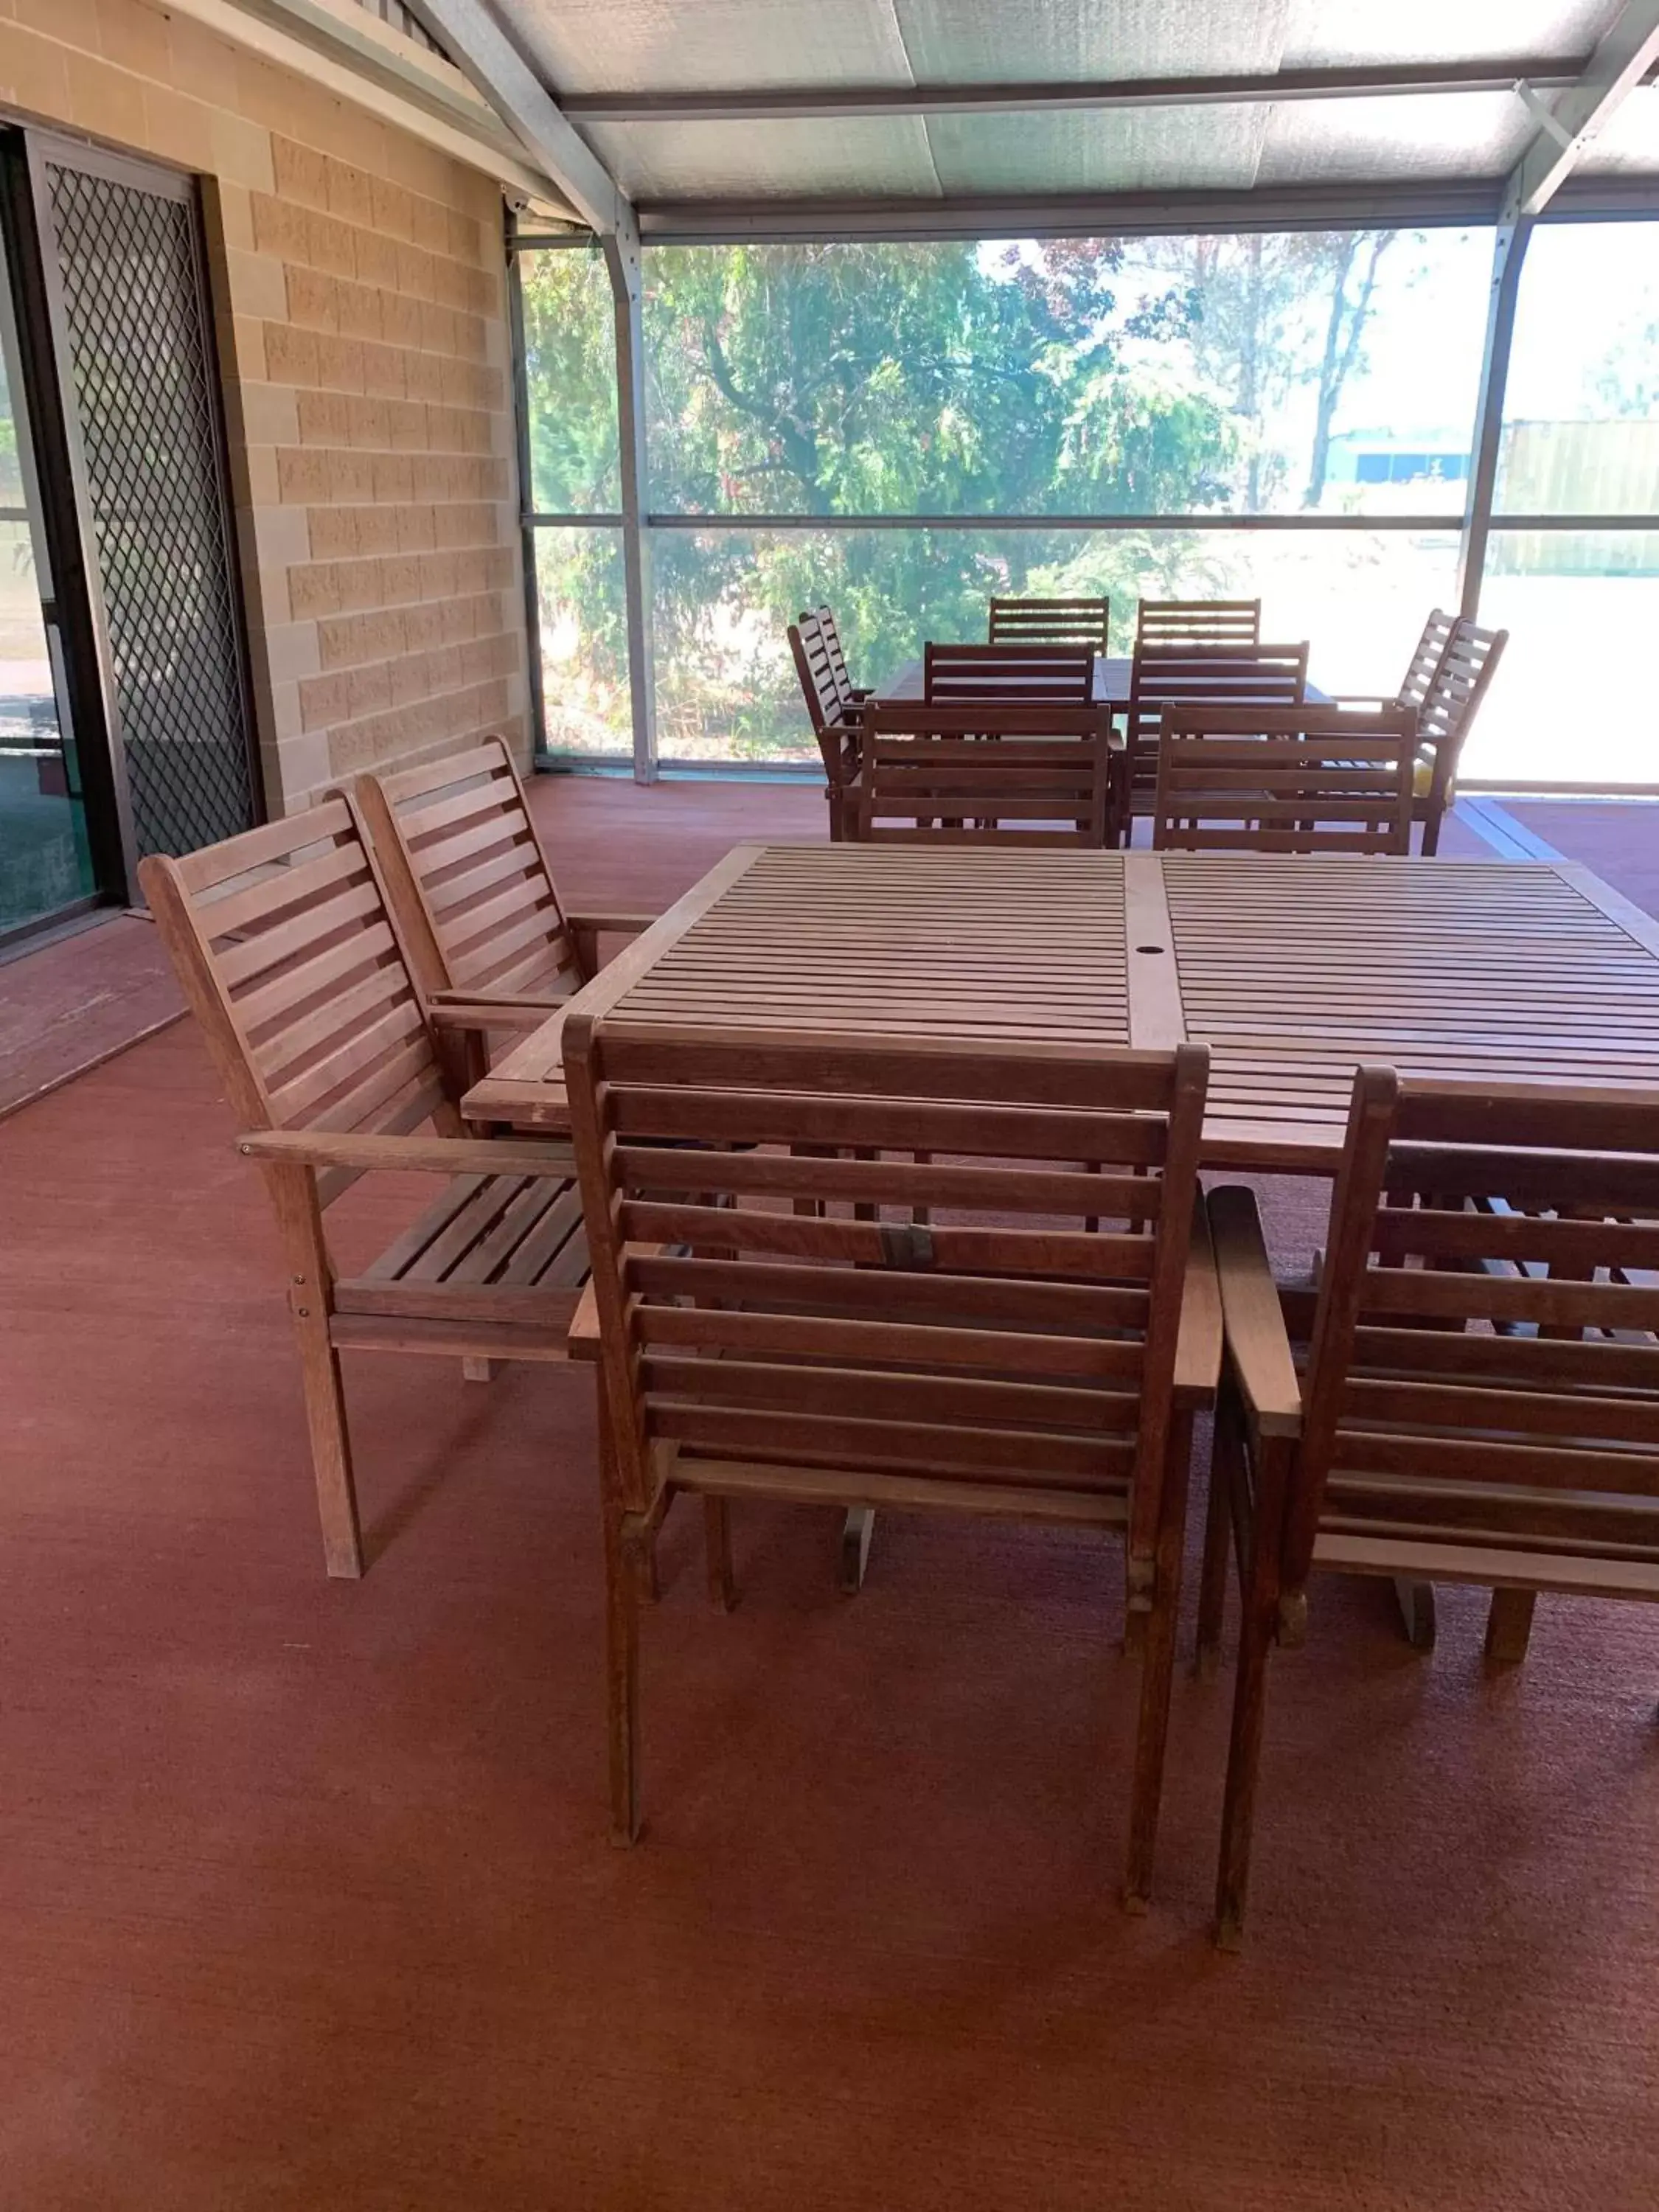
[854, 159]
[1326, 31]
[1002, 41]
[1130, 150]
[1462, 134]
[1630, 140]
[709, 45]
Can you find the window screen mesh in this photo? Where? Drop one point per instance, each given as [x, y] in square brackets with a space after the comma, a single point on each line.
[141, 367]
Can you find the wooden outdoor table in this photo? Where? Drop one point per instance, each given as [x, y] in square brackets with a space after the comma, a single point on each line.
[1292, 967]
[1111, 682]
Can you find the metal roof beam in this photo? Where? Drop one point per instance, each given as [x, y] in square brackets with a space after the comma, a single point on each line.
[1358, 205]
[1352, 82]
[471, 35]
[1627, 51]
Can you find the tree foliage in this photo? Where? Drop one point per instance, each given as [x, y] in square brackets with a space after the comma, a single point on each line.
[822, 381]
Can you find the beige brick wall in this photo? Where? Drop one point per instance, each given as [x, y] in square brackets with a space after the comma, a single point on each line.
[362, 331]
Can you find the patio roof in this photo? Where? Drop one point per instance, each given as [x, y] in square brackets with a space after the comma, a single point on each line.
[846, 116]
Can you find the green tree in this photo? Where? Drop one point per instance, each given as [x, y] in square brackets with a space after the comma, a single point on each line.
[822, 381]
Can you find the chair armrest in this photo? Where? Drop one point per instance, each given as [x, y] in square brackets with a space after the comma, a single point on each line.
[473, 1014]
[584, 1338]
[1258, 1346]
[612, 925]
[318, 1148]
[1199, 1339]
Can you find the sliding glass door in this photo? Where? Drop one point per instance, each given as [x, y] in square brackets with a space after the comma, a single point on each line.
[46, 860]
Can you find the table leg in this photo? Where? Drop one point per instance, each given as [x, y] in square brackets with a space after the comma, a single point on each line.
[1509, 1625]
[1416, 1611]
[855, 1533]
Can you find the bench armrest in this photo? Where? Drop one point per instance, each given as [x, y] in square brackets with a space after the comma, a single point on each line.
[610, 924]
[584, 1338]
[319, 1148]
[1199, 1339]
[518, 1015]
[1258, 1345]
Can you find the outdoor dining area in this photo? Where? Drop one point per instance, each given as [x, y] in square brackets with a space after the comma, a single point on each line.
[828, 1106]
[896, 1172]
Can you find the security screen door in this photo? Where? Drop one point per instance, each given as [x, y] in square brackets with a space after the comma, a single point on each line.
[132, 326]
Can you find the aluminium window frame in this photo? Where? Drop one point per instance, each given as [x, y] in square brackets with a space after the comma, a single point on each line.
[1584, 201]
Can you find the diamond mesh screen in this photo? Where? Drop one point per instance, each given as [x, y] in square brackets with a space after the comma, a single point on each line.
[141, 365]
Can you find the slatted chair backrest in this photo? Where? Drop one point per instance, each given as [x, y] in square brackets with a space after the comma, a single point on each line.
[1285, 780]
[1485, 1360]
[469, 877]
[1207, 675]
[983, 772]
[846, 692]
[1198, 622]
[1062, 673]
[1453, 698]
[286, 948]
[768, 1290]
[815, 670]
[1051, 621]
[1426, 659]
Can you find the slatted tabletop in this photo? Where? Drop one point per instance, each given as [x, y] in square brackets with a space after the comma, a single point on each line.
[1111, 682]
[870, 939]
[1293, 968]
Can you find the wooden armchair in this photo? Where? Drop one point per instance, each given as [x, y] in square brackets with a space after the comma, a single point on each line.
[1479, 1399]
[847, 691]
[1052, 622]
[1449, 671]
[1449, 706]
[469, 883]
[1427, 657]
[1198, 622]
[774, 1317]
[286, 949]
[1285, 780]
[1204, 674]
[833, 708]
[982, 772]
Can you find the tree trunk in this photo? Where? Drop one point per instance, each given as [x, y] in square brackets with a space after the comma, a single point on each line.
[1344, 329]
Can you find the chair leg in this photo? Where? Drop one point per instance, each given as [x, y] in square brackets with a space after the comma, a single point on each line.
[1260, 1610]
[717, 1537]
[1243, 1759]
[1157, 1672]
[331, 1449]
[856, 1530]
[1217, 1537]
[623, 1561]
[1509, 1627]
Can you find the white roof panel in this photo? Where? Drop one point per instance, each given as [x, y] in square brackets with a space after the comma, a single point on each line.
[854, 158]
[1446, 134]
[1127, 150]
[713, 45]
[1003, 41]
[1323, 32]
[1630, 140]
